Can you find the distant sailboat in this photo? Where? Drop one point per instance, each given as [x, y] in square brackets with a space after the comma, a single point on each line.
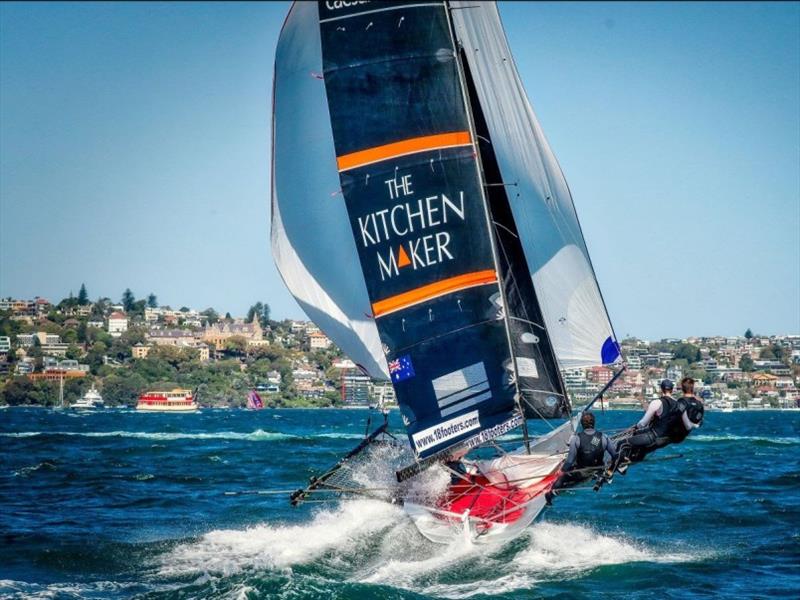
[254, 401]
[421, 220]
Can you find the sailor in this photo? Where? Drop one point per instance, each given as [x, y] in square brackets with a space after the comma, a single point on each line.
[586, 456]
[692, 409]
[461, 470]
[654, 429]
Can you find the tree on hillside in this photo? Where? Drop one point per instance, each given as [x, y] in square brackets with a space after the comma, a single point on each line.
[767, 353]
[260, 311]
[152, 301]
[775, 352]
[228, 316]
[68, 302]
[253, 311]
[236, 345]
[746, 363]
[18, 391]
[101, 306]
[211, 315]
[128, 299]
[265, 315]
[688, 351]
[748, 334]
[83, 296]
[74, 352]
[138, 307]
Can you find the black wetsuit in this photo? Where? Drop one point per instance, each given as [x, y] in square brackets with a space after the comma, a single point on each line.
[658, 433]
[587, 450]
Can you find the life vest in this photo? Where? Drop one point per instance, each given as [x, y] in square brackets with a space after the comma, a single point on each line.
[670, 416]
[694, 410]
[590, 449]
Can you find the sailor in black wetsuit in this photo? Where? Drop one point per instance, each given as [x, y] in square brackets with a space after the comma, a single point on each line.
[693, 412]
[654, 430]
[586, 456]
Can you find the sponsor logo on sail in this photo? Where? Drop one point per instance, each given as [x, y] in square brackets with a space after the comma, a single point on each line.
[337, 4]
[447, 430]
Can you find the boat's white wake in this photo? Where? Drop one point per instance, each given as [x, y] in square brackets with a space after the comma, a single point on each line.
[282, 546]
[372, 542]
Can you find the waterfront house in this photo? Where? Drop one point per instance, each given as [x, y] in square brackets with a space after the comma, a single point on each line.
[117, 324]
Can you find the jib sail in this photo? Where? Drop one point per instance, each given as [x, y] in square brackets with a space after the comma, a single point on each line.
[538, 196]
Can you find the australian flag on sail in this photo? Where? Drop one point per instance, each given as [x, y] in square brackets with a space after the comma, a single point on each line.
[401, 369]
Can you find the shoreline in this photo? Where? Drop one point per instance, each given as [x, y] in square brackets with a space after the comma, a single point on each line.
[365, 408]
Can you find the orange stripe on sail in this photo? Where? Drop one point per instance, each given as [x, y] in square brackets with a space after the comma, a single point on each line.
[401, 148]
[433, 290]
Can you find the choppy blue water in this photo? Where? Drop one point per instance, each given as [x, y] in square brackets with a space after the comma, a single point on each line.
[120, 504]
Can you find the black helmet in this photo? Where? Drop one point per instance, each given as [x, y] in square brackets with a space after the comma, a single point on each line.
[666, 384]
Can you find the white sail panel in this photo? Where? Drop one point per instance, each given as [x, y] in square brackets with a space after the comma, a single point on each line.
[540, 200]
[312, 243]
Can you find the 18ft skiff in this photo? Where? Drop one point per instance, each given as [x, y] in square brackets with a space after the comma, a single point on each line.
[421, 220]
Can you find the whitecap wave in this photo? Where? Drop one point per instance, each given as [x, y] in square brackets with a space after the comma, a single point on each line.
[27, 471]
[729, 437]
[95, 589]
[341, 436]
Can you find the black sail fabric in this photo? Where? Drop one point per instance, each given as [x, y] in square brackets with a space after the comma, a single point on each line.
[412, 187]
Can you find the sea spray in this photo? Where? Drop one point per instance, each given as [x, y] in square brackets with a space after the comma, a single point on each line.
[280, 546]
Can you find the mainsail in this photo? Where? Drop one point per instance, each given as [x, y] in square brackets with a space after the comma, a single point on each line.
[421, 220]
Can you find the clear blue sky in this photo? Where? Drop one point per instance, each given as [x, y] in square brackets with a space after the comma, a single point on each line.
[134, 152]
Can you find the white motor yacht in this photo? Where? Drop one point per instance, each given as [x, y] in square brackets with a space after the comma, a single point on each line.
[90, 401]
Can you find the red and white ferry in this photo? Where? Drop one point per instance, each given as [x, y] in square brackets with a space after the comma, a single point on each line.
[177, 400]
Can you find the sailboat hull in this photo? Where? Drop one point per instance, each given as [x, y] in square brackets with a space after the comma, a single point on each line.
[493, 507]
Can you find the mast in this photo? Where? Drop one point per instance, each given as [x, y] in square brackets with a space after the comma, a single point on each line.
[485, 199]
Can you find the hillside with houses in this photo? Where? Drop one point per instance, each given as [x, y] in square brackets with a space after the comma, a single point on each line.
[133, 346]
[127, 348]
